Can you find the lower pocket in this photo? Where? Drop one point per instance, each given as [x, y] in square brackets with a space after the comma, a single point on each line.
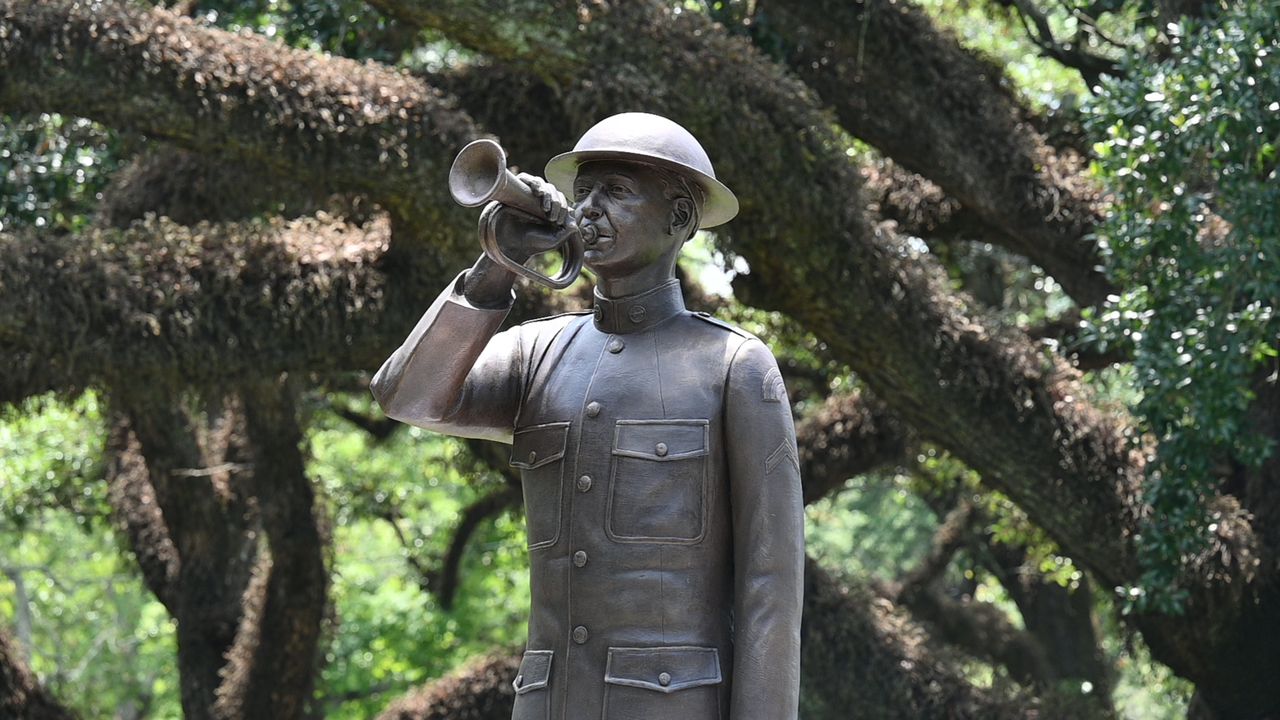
[662, 683]
[533, 699]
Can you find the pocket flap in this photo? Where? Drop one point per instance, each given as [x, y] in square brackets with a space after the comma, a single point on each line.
[535, 671]
[664, 669]
[661, 439]
[538, 445]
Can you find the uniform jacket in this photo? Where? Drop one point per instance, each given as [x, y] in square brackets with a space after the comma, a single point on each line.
[662, 495]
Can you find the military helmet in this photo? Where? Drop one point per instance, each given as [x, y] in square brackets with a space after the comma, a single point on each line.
[653, 140]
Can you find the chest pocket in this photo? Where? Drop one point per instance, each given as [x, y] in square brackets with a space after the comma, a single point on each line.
[658, 492]
[539, 453]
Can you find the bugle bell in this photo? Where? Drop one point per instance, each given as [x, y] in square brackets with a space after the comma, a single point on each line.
[480, 176]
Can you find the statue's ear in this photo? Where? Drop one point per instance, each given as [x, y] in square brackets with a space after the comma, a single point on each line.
[682, 213]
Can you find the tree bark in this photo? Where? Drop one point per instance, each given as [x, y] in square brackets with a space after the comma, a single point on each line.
[272, 666]
[203, 570]
[481, 690]
[849, 435]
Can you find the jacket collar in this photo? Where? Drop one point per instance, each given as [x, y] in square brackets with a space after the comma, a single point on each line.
[635, 313]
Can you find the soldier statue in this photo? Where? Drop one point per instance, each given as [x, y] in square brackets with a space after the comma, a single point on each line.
[656, 446]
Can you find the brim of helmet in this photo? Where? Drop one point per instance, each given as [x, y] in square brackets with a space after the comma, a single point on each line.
[719, 207]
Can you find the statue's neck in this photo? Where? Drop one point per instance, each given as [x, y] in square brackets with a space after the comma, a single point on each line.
[635, 283]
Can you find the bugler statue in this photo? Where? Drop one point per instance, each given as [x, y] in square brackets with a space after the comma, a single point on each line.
[656, 445]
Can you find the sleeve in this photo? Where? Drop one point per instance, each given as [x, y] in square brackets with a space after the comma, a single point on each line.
[768, 538]
[453, 374]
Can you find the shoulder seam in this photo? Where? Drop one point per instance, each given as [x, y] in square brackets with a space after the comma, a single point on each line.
[712, 320]
[556, 316]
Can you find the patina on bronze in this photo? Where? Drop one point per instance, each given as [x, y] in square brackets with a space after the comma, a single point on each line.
[656, 447]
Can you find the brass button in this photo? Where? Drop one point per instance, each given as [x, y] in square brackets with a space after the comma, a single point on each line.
[593, 409]
[636, 313]
[533, 456]
[664, 679]
[580, 558]
[661, 449]
[519, 681]
[615, 346]
[584, 483]
[580, 634]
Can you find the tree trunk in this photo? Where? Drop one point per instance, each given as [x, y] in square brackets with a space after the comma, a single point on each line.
[203, 569]
[272, 666]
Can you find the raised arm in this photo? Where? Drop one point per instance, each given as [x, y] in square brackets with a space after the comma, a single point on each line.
[453, 374]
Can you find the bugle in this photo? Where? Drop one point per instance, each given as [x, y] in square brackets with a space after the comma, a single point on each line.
[480, 176]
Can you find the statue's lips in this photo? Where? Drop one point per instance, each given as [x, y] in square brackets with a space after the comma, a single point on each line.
[591, 236]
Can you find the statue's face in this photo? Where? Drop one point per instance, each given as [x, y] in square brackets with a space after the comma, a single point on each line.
[625, 203]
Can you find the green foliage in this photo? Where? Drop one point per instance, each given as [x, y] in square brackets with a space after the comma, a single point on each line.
[93, 632]
[343, 27]
[390, 634]
[875, 527]
[98, 639]
[943, 475]
[52, 170]
[101, 641]
[51, 457]
[1144, 689]
[984, 27]
[1190, 157]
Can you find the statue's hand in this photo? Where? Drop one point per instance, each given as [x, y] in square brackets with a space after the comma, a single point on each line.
[553, 201]
[521, 236]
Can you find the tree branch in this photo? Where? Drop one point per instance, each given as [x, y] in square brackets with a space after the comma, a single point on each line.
[880, 61]
[219, 302]
[378, 428]
[136, 512]
[344, 125]
[1036, 25]
[481, 690]
[445, 582]
[918, 206]
[849, 435]
[977, 628]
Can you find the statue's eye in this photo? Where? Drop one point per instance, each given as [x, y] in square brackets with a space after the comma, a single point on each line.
[619, 190]
[580, 192]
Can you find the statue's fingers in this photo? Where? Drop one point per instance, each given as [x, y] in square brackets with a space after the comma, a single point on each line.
[562, 207]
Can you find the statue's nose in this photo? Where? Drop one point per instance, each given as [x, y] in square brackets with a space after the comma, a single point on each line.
[590, 211]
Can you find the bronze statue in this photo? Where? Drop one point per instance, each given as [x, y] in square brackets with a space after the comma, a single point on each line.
[658, 456]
